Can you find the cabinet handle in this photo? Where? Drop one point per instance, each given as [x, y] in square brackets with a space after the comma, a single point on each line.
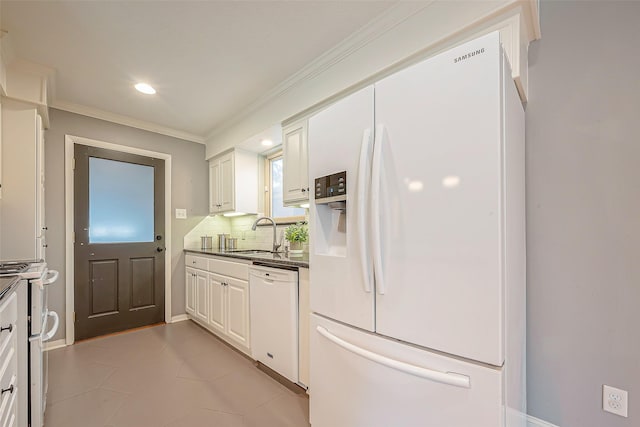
[8, 389]
[45, 228]
[7, 328]
[304, 190]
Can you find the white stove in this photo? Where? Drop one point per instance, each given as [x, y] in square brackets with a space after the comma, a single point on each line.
[38, 278]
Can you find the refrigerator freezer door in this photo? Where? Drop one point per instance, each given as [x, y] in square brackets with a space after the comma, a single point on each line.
[341, 280]
[438, 127]
[364, 380]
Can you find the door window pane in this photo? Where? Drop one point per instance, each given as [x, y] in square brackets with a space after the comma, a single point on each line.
[277, 208]
[120, 202]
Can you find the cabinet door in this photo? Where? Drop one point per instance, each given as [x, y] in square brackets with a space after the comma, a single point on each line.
[202, 296]
[295, 171]
[227, 183]
[190, 286]
[217, 305]
[214, 186]
[238, 315]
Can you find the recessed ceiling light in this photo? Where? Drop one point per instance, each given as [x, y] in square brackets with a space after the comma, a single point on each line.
[267, 142]
[145, 88]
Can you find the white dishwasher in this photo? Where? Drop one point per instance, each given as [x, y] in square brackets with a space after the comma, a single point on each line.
[273, 294]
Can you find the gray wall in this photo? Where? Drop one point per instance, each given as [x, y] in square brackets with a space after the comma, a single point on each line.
[189, 189]
[583, 212]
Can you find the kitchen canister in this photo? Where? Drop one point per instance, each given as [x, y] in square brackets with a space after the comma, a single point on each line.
[222, 241]
[206, 242]
[232, 243]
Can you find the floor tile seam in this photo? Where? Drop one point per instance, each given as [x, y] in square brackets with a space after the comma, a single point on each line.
[221, 411]
[123, 400]
[206, 380]
[173, 419]
[55, 402]
[107, 378]
[275, 397]
[87, 361]
[220, 377]
[101, 364]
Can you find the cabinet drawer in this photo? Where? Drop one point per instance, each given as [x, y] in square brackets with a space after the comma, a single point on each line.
[8, 320]
[8, 383]
[196, 262]
[8, 406]
[230, 269]
[9, 310]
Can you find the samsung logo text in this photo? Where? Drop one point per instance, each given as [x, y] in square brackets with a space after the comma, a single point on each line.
[468, 55]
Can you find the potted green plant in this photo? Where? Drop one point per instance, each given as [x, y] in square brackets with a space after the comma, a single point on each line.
[296, 234]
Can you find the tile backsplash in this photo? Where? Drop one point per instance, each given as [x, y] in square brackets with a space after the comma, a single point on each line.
[240, 227]
[209, 226]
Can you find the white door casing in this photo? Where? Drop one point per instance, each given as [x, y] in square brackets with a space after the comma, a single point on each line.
[70, 140]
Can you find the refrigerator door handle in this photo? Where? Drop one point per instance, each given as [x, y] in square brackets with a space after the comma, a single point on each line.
[363, 167]
[449, 378]
[375, 211]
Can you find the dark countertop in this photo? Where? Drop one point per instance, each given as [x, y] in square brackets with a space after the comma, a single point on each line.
[267, 257]
[8, 284]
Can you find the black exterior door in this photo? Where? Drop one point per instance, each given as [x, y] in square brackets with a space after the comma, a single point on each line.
[119, 241]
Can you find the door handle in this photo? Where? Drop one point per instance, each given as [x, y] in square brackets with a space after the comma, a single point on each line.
[449, 378]
[159, 249]
[54, 329]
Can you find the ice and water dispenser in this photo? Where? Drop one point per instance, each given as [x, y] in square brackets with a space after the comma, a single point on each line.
[331, 219]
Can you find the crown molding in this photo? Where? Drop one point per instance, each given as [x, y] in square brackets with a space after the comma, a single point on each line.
[391, 18]
[126, 121]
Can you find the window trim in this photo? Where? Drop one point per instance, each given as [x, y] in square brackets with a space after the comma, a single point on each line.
[279, 153]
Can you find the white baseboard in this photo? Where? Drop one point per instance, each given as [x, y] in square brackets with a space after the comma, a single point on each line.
[535, 422]
[179, 318]
[52, 345]
[520, 419]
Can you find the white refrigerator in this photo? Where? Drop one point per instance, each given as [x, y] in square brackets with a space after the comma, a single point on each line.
[417, 279]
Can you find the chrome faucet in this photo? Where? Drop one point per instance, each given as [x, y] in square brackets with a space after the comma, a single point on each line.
[276, 245]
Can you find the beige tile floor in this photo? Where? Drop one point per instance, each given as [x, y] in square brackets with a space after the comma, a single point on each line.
[175, 375]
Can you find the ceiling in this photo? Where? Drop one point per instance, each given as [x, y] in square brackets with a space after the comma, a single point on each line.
[208, 60]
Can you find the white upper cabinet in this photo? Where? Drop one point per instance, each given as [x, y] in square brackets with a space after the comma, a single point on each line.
[295, 158]
[233, 182]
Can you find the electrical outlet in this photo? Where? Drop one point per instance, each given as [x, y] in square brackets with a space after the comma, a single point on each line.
[615, 400]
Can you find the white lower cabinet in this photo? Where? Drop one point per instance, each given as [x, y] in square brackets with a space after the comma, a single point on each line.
[237, 300]
[202, 293]
[229, 308]
[217, 297]
[217, 302]
[190, 285]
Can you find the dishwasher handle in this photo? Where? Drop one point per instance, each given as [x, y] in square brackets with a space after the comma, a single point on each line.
[273, 276]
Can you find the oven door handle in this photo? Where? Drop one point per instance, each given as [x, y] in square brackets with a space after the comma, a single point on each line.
[52, 276]
[54, 328]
